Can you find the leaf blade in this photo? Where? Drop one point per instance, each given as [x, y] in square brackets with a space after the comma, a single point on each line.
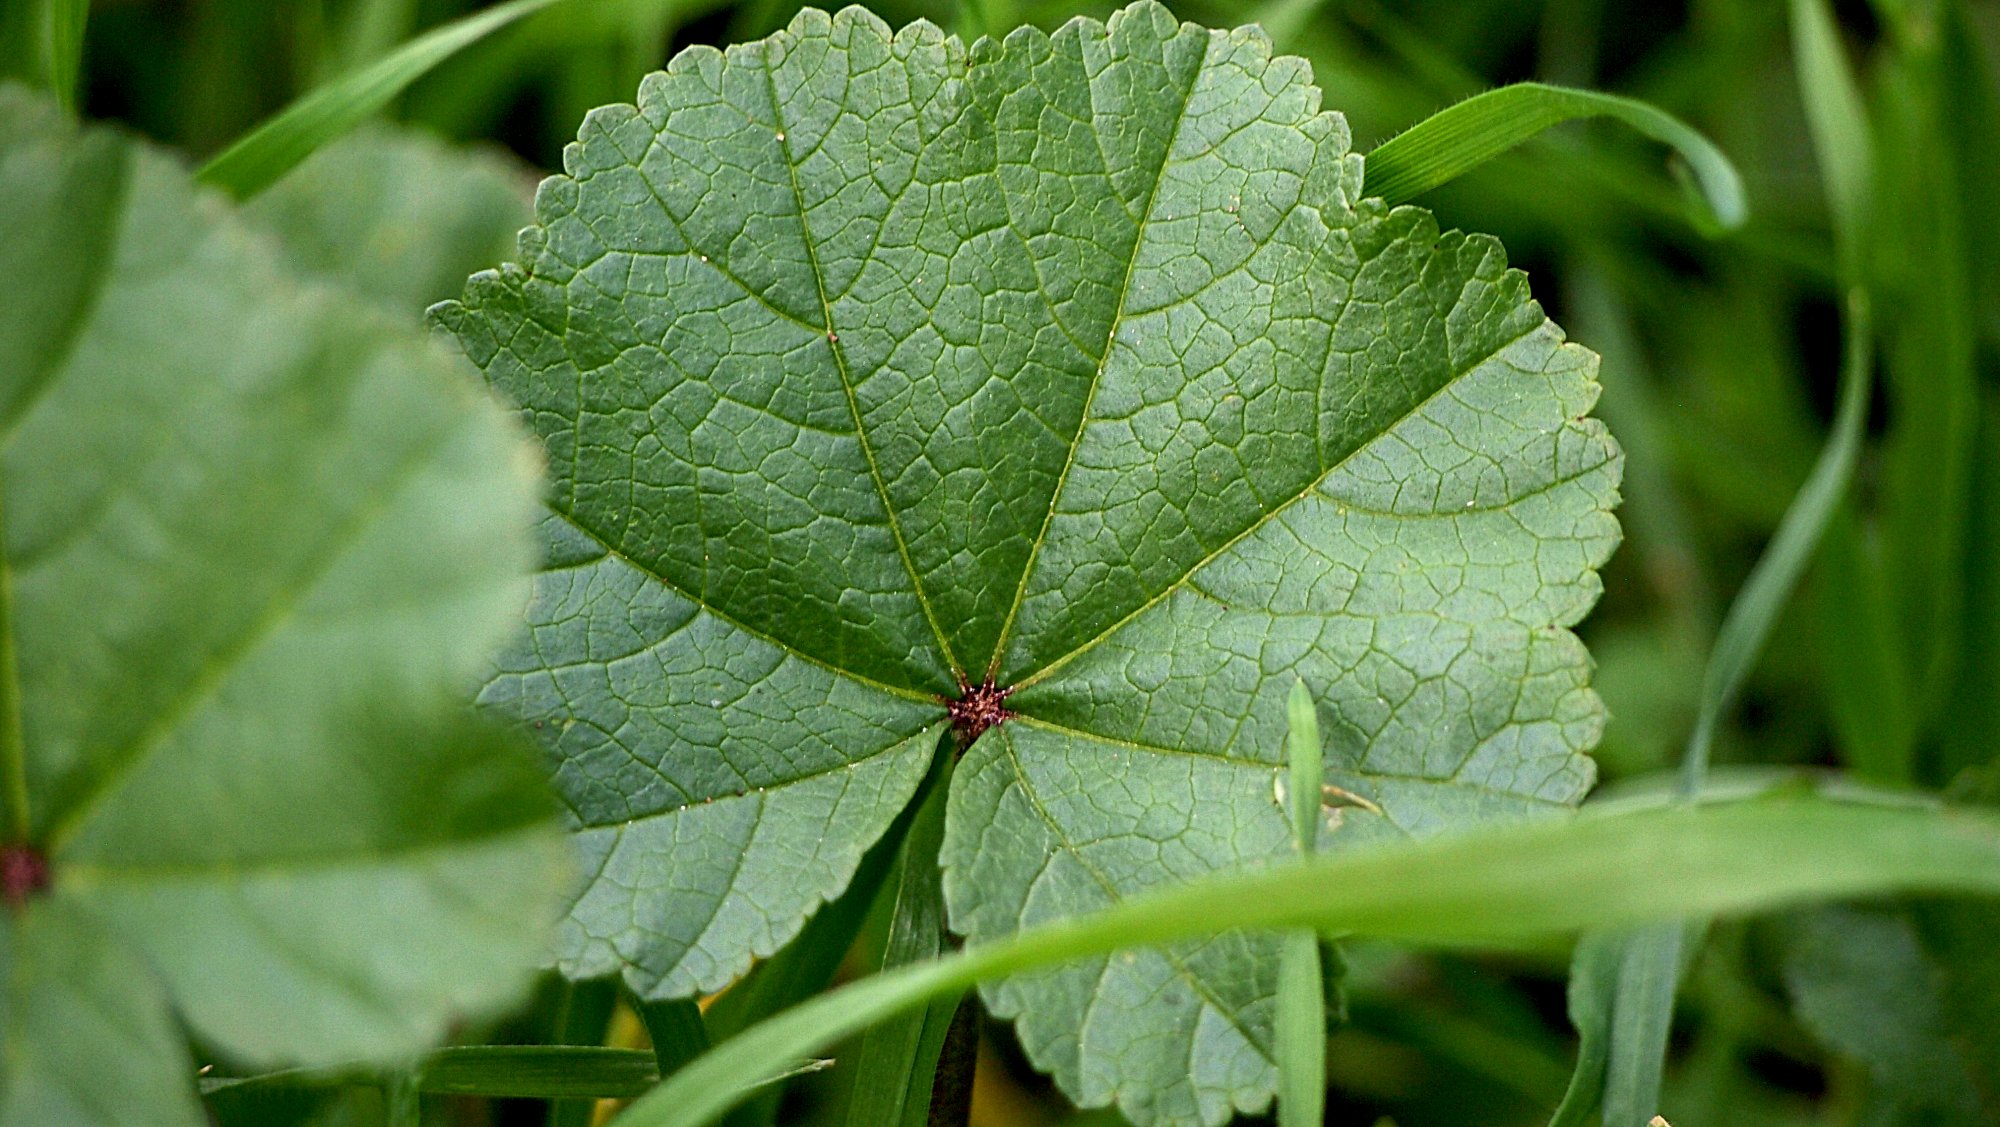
[246, 757]
[817, 316]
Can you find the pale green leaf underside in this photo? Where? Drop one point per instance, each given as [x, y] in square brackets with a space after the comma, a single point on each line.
[258, 541]
[870, 365]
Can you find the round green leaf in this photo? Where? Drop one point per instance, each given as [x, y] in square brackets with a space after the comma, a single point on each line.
[1066, 390]
[259, 542]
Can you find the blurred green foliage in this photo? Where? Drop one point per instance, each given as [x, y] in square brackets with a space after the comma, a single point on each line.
[1721, 360]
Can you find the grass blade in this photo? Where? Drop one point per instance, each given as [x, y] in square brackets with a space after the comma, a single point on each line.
[1301, 1016]
[582, 1017]
[1593, 983]
[542, 1071]
[1300, 1027]
[1838, 121]
[66, 20]
[1498, 886]
[804, 967]
[1638, 999]
[274, 148]
[533, 1072]
[41, 42]
[1641, 1014]
[1756, 608]
[1640, 996]
[1458, 139]
[1306, 771]
[402, 1101]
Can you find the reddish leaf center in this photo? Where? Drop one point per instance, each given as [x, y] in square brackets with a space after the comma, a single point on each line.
[23, 873]
[978, 708]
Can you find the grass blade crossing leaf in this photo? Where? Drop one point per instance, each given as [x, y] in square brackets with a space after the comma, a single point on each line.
[1305, 767]
[275, 147]
[1641, 999]
[1458, 139]
[1490, 886]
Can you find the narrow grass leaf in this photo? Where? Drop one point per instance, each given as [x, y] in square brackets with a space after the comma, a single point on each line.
[1458, 139]
[1300, 1024]
[41, 42]
[1304, 759]
[1300, 1028]
[63, 40]
[581, 1072]
[1919, 269]
[1649, 962]
[582, 1016]
[402, 1100]
[803, 967]
[1593, 984]
[1771, 583]
[538, 1072]
[277, 146]
[1497, 886]
[1641, 1013]
[1838, 120]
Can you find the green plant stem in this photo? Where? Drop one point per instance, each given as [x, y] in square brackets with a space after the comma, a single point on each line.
[65, 21]
[41, 41]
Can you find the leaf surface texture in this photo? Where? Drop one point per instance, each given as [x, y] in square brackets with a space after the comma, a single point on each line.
[873, 368]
